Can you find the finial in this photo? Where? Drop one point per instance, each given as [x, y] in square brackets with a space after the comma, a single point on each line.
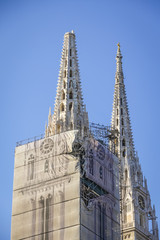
[118, 47]
[72, 31]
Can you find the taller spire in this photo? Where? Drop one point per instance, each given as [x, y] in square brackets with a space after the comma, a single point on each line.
[69, 111]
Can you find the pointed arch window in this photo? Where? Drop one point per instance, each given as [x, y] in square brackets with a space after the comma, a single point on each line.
[70, 62]
[70, 52]
[30, 167]
[101, 172]
[117, 111]
[70, 106]
[126, 174]
[63, 95]
[70, 95]
[123, 142]
[64, 84]
[141, 220]
[64, 73]
[121, 111]
[66, 63]
[117, 122]
[122, 122]
[46, 166]
[122, 131]
[70, 83]
[70, 73]
[124, 153]
[62, 107]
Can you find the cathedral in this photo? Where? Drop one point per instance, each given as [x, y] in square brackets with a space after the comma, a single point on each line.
[81, 180]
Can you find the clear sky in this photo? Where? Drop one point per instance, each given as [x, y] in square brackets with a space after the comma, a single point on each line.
[31, 37]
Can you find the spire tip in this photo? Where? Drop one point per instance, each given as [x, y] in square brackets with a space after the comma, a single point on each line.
[118, 47]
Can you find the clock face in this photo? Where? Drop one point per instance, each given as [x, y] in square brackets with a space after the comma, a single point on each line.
[100, 152]
[141, 202]
[46, 146]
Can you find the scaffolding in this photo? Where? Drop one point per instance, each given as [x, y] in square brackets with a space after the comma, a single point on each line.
[106, 135]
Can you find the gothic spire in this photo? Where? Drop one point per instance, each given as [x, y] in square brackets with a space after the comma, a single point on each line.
[134, 195]
[69, 111]
[120, 113]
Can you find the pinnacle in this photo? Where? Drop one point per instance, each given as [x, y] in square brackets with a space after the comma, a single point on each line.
[119, 51]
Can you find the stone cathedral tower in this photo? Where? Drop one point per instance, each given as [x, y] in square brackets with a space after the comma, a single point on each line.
[135, 203]
[69, 111]
[66, 183]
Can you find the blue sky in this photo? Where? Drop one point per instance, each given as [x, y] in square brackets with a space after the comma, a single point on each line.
[31, 37]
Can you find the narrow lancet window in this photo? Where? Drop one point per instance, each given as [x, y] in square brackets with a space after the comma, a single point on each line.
[70, 84]
[122, 122]
[70, 62]
[101, 172]
[141, 220]
[70, 106]
[124, 153]
[70, 73]
[121, 111]
[65, 63]
[126, 174]
[30, 167]
[63, 95]
[123, 142]
[117, 122]
[62, 107]
[64, 73]
[70, 52]
[46, 166]
[71, 95]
